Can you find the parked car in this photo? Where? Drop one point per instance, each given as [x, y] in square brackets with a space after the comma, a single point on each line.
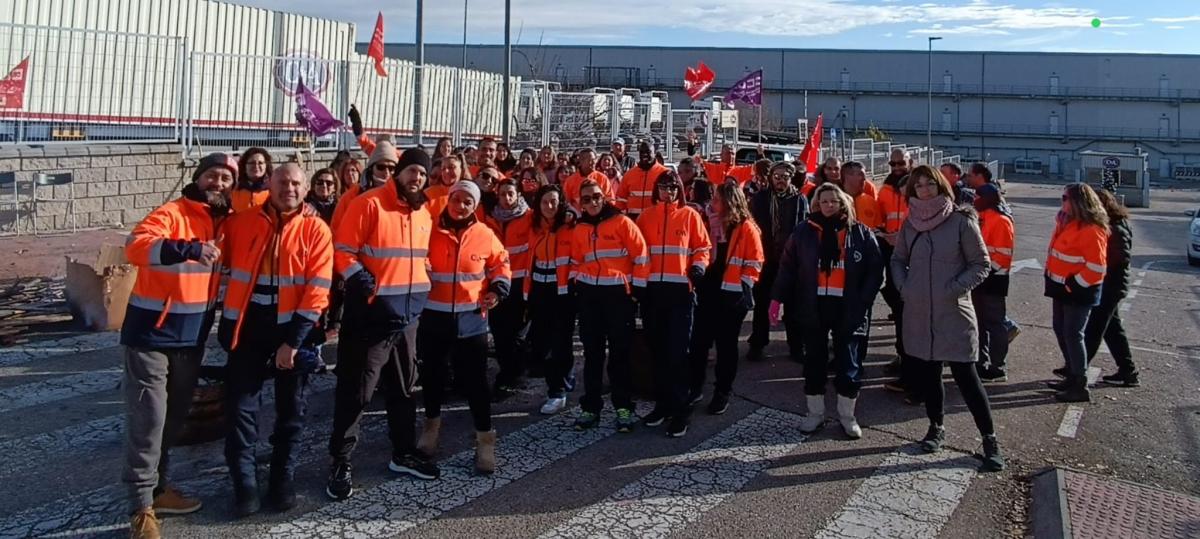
[1193, 250]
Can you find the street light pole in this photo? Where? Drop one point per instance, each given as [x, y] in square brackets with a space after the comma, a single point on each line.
[420, 72]
[506, 92]
[929, 106]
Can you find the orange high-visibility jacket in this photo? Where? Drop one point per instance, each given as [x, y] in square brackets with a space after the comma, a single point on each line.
[572, 185]
[1077, 261]
[867, 212]
[385, 236]
[549, 259]
[514, 235]
[244, 199]
[174, 294]
[437, 196]
[999, 236]
[744, 261]
[636, 192]
[343, 203]
[894, 207]
[463, 264]
[834, 282]
[717, 172]
[608, 253]
[676, 239]
[302, 250]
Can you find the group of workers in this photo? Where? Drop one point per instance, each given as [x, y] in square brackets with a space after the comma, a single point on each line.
[412, 261]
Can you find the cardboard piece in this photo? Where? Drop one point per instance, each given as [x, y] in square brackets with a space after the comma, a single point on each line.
[98, 294]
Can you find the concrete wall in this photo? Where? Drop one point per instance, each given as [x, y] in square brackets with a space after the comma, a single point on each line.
[114, 186]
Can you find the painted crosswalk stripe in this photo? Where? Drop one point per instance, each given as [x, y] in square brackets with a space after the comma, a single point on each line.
[59, 388]
[678, 493]
[76, 344]
[910, 495]
[89, 512]
[20, 454]
[402, 504]
[1070, 421]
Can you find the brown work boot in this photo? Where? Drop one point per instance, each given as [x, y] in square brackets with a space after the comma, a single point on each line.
[171, 502]
[428, 443]
[485, 452]
[144, 525]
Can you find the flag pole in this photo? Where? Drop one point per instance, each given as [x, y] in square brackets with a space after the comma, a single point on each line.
[760, 107]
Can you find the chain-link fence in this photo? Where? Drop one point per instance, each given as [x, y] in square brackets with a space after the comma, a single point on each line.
[88, 85]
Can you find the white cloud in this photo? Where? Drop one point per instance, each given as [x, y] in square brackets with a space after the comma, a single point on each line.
[1192, 18]
[955, 30]
[1174, 27]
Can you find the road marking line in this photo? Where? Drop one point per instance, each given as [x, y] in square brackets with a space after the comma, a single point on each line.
[910, 495]
[56, 389]
[1137, 282]
[678, 493]
[1132, 294]
[105, 433]
[78, 344]
[1070, 421]
[105, 508]
[1093, 374]
[402, 504]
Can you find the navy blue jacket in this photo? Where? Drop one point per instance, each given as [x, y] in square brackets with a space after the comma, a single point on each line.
[796, 283]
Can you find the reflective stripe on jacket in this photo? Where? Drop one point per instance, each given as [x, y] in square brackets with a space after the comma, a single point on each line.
[1076, 262]
[636, 193]
[745, 257]
[303, 251]
[463, 265]
[676, 240]
[174, 295]
[608, 253]
[514, 235]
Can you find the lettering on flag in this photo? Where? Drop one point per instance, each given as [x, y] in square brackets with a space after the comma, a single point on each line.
[697, 80]
[12, 87]
[312, 114]
[375, 51]
[748, 90]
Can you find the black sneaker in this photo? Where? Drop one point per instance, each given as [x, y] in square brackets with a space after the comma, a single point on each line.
[626, 420]
[677, 427]
[245, 502]
[1059, 385]
[655, 418]
[993, 375]
[341, 481]
[1061, 372]
[281, 496]
[1126, 379]
[587, 420]
[755, 353]
[695, 397]
[416, 466]
[719, 403]
[993, 461]
[934, 438]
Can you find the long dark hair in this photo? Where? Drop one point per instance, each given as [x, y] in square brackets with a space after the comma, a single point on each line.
[560, 217]
[1113, 207]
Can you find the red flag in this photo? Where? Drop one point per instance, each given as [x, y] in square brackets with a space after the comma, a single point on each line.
[812, 148]
[376, 49]
[697, 80]
[12, 87]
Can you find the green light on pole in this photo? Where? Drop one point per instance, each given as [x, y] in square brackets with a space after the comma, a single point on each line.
[1095, 23]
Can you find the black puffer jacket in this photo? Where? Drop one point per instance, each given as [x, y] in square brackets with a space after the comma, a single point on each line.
[1120, 249]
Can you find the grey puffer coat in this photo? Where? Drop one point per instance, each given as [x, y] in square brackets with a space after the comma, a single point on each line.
[935, 272]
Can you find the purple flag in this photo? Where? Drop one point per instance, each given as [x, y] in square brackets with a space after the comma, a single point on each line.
[748, 90]
[312, 114]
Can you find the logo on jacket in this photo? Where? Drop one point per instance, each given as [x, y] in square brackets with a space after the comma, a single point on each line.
[858, 256]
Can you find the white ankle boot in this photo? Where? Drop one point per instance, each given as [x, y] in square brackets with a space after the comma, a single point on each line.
[816, 414]
[845, 408]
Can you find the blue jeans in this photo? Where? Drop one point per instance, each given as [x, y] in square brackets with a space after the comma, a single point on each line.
[1070, 319]
[249, 366]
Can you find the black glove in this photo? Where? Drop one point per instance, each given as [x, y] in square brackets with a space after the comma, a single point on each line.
[747, 300]
[355, 121]
[360, 285]
[695, 274]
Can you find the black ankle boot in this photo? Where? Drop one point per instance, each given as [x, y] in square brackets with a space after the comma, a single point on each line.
[245, 501]
[1076, 390]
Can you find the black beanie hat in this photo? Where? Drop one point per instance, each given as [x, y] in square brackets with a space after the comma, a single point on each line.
[414, 156]
[217, 159]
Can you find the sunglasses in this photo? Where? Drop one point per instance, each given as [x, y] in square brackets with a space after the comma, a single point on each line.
[593, 199]
[381, 166]
[897, 163]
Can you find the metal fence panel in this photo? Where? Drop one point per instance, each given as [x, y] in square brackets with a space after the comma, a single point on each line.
[88, 85]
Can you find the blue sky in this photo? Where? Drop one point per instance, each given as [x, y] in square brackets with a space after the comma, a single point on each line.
[1147, 26]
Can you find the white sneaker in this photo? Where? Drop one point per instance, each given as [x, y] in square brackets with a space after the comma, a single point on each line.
[554, 405]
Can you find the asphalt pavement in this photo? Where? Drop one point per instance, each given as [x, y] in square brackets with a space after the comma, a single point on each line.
[747, 473]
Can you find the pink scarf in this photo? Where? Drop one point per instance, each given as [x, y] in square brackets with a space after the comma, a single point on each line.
[926, 215]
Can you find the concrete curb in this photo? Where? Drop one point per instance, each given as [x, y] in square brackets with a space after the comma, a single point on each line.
[1051, 516]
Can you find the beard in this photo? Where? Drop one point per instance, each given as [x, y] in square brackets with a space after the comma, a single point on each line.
[218, 202]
